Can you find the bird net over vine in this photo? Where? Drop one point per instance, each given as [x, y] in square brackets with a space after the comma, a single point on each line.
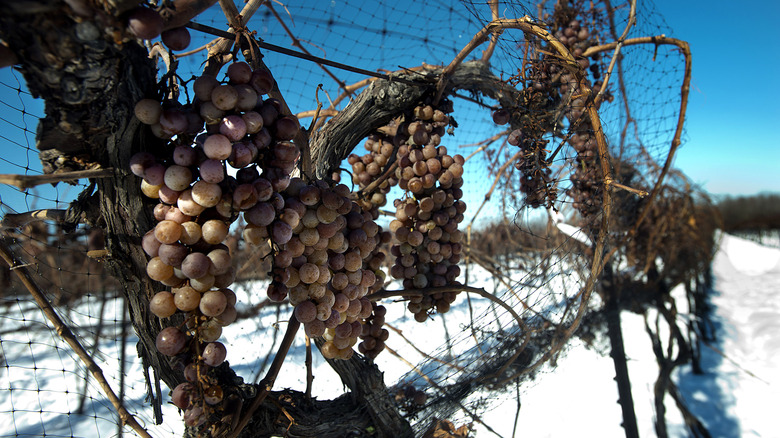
[358, 170]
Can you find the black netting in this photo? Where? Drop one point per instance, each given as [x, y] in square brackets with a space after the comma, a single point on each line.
[514, 252]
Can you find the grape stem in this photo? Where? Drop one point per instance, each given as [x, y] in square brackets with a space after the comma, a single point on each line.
[488, 53]
[268, 381]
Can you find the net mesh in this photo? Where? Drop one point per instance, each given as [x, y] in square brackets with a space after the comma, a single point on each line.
[518, 255]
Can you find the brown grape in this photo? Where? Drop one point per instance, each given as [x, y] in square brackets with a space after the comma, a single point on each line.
[186, 298]
[145, 23]
[224, 97]
[162, 304]
[147, 111]
[157, 270]
[195, 265]
[213, 303]
[170, 341]
[182, 395]
[214, 354]
[176, 39]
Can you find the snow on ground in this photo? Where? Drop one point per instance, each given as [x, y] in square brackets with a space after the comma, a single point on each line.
[736, 397]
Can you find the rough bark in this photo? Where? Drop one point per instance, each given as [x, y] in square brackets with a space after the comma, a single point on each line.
[366, 382]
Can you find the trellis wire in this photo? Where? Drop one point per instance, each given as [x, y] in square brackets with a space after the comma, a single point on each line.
[380, 36]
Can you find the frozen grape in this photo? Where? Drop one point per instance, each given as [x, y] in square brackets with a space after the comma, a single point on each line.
[286, 127]
[147, 111]
[239, 73]
[213, 303]
[247, 98]
[203, 284]
[210, 113]
[253, 122]
[157, 270]
[172, 254]
[145, 23]
[194, 416]
[206, 194]
[233, 128]
[162, 304]
[167, 231]
[214, 354]
[281, 232]
[195, 265]
[218, 147]
[186, 298]
[184, 155]
[173, 122]
[262, 214]
[212, 171]
[150, 244]
[261, 81]
[187, 204]
[203, 86]
[176, 39]
[170, 341]
[306, 311]
[228, 316]
[501, 117]
[220, 261]
[214, 231]
[150, 191]
[190, 233]
[178, 177]
[224, 97]
[213, 395]
[182, 395]
[209, 331]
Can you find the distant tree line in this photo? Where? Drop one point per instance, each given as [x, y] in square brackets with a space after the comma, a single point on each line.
[750, 213]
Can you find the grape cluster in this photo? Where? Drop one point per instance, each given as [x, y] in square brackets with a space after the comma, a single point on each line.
[366, 169]
[586, 179]
[369, 167]
[577, 38]
[322, 239]
[552, 87]
[373, 335]
[587, 174]
[199, 201]
[535, 179]
[426, 221]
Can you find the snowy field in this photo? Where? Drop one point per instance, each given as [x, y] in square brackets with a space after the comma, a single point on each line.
[738, 396]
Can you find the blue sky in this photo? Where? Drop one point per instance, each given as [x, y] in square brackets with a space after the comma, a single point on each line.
[732, 147]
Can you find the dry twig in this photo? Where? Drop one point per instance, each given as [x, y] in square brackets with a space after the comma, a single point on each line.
[24, 182]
